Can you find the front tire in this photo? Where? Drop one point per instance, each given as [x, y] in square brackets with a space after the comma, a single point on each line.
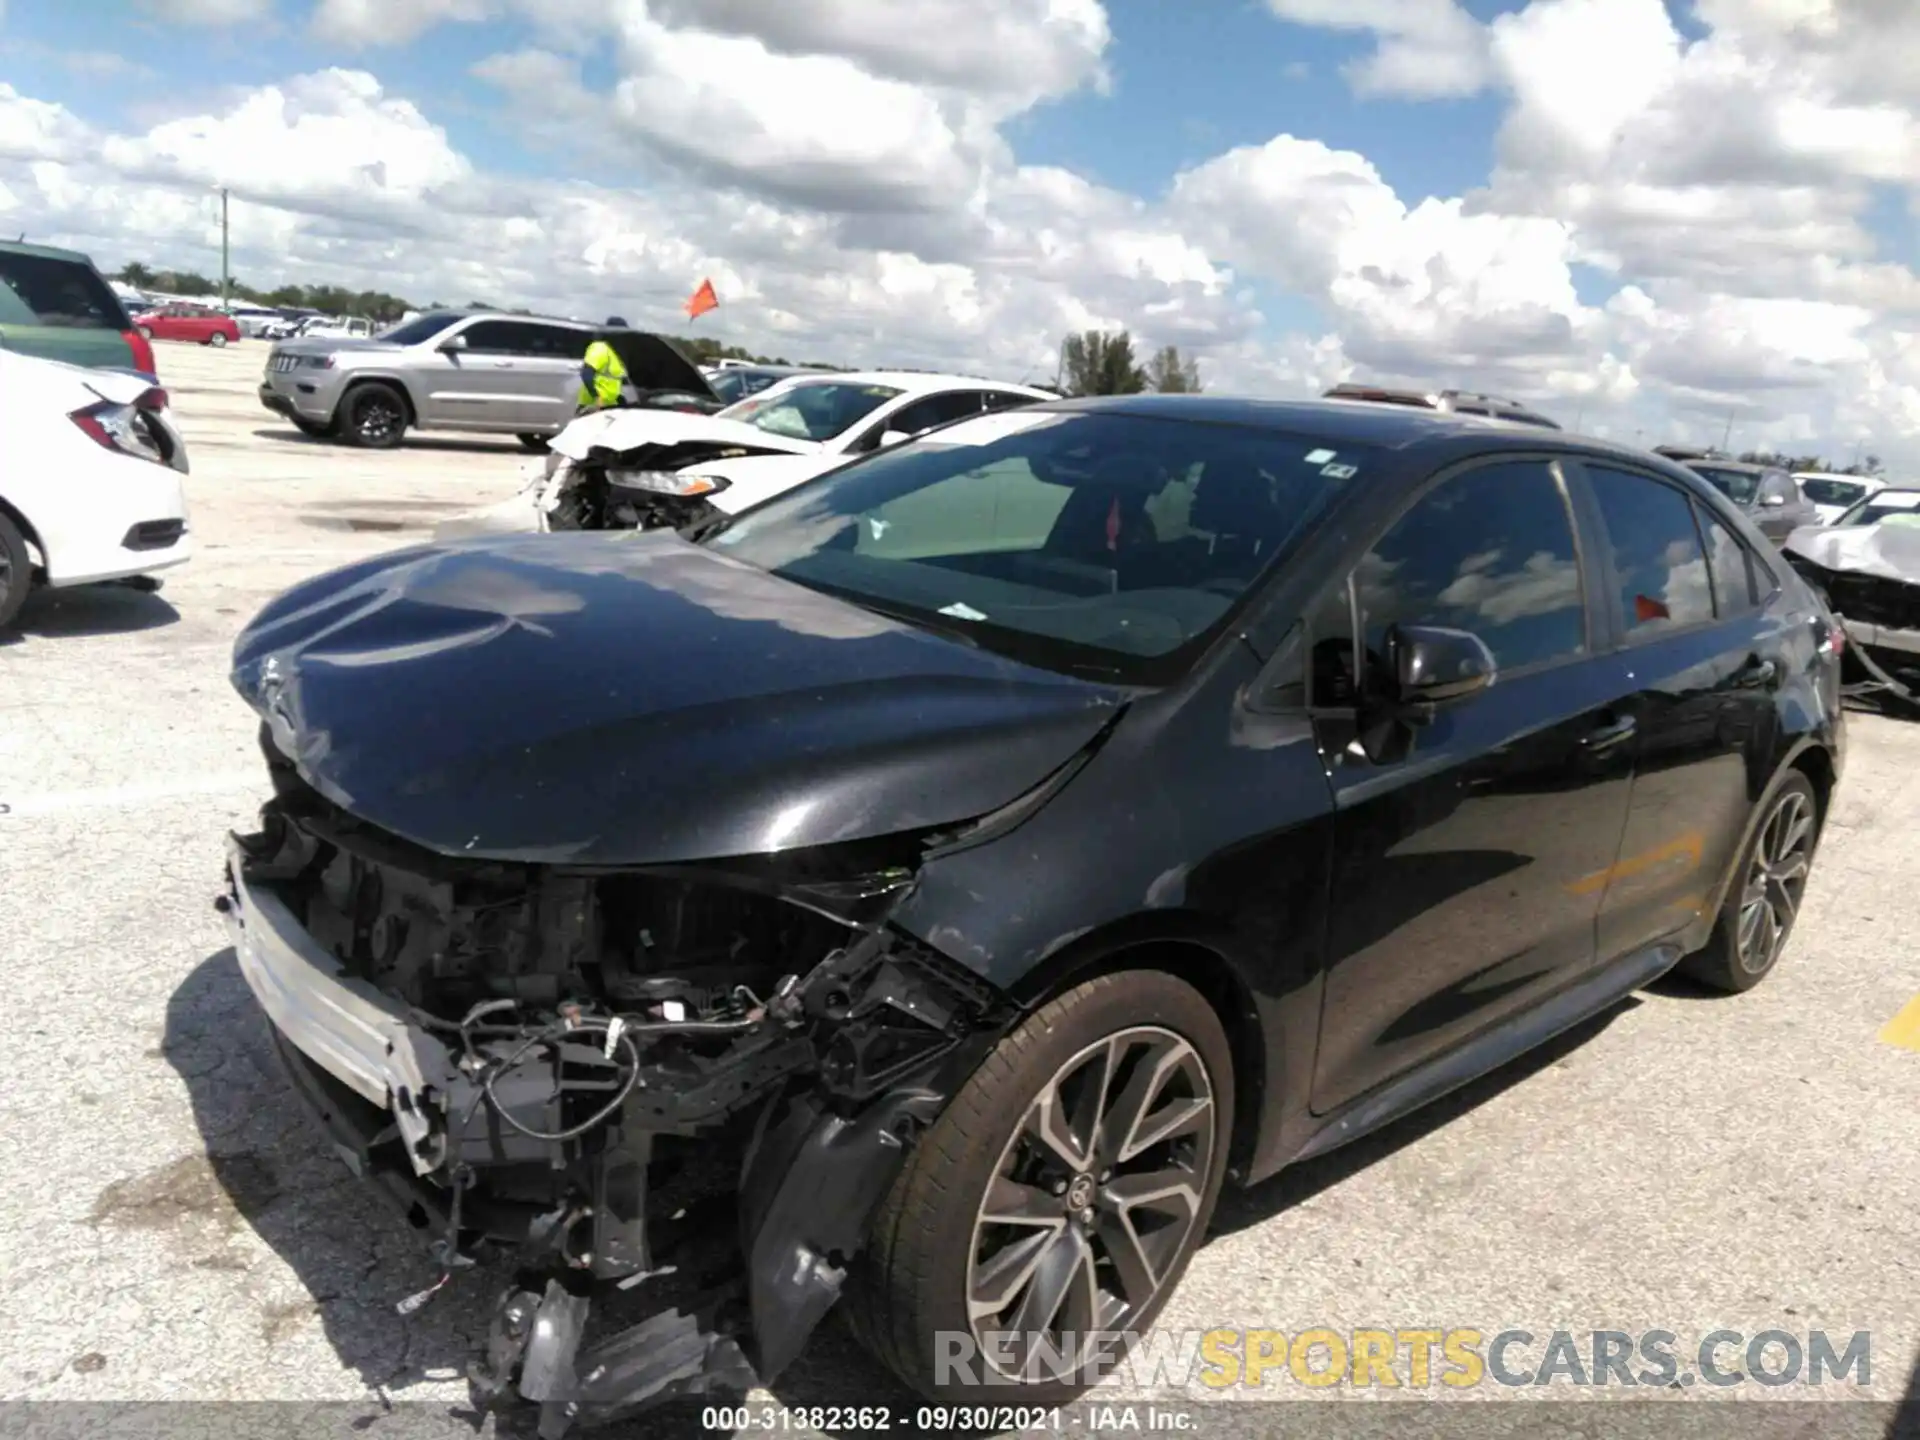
[533, 444]
[145, 333]
[374, 416]
[16, 571]
[1057, 1199]
[1756, 919]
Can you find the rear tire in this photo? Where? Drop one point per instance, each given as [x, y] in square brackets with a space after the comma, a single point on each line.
[216, 340]
[374, 416]
[534, 444]
[16, 571]
[145, 333]
[1763, 900]
[935, 1246]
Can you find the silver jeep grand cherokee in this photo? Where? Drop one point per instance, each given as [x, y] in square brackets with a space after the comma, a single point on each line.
[473, 370]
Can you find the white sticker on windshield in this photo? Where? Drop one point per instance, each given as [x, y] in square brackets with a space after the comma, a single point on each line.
[878, 526]
[1340, 472]
[960, 610]
[1320, 457]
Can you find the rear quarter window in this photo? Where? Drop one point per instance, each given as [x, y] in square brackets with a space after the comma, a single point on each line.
[60, 294]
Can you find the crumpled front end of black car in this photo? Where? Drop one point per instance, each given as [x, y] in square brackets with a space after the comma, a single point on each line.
[696, 1082]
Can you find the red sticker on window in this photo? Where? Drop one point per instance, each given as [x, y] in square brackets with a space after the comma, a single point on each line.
[1645, 607]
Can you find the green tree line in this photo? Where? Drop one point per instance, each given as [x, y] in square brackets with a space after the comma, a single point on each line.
[1869, 465]
[1103, 362]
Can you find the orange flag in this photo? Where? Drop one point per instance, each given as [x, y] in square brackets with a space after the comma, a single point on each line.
[703, 300]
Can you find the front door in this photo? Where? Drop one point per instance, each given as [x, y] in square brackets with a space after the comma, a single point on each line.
[1470, 852]
[1700, 659]
[480, 386]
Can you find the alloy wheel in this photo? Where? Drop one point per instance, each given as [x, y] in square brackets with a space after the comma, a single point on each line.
[6, 571]
[378, 417]
[1092, 1205]
[1775, 882]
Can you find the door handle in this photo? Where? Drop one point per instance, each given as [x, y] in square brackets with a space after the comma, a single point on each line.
[1757, 674]
[1605, 737]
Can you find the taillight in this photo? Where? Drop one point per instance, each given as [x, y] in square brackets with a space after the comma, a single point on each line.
[122, 429]
[142, 352]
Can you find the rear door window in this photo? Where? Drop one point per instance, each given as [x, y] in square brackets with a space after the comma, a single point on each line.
[1659, 567]
[61, 294]
[1731, 568]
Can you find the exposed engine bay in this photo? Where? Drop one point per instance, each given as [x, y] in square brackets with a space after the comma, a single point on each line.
[701, 1079]
[656, 487]
[1869, 576]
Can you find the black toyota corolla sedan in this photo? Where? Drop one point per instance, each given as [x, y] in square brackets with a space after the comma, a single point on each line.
[926, 889]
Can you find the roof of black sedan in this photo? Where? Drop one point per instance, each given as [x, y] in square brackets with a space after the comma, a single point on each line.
[1358, 422]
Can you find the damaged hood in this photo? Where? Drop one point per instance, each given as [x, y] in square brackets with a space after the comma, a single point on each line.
[620, 431]
[1890, 550]
[627, 698]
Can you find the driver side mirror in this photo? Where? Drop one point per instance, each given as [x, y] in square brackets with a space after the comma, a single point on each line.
[453, 345]
[1432, 665]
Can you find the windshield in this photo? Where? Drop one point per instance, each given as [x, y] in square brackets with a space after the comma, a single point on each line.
[421, 327]
[1831, 492]
[1879, 507]
[1101, 544]
[813, 410]
[1739, 486]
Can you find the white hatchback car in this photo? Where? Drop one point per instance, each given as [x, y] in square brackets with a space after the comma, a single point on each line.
[90, 478]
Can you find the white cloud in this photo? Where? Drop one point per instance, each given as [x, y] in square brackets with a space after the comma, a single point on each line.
[1424, 49]
[387, 22]
[1024, 49]
[208, 12]
[844, 174]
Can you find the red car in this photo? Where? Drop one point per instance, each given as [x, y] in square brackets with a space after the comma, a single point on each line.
[187, 322]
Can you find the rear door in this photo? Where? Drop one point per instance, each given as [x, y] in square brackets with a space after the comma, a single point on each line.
[551, 369]
[60, 309]
[1698, 653]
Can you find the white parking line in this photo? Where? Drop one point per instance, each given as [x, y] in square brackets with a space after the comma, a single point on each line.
[121, 797]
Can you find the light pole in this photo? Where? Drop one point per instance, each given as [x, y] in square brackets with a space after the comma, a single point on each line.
[225, 278]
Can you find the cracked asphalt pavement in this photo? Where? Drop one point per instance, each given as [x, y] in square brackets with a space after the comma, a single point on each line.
[173, 1230]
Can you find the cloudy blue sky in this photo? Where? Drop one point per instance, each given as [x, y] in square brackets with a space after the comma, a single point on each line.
[1653, 218]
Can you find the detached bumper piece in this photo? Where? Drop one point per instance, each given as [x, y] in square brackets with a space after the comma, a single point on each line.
[493, 1053]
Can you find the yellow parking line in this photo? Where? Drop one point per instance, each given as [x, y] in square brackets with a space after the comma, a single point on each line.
[1904, 1029]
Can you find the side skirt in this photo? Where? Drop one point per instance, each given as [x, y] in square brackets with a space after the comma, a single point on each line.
[1506, 1041]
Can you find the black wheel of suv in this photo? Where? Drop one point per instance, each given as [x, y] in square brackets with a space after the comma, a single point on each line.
[1764, 899]
[374, 416]
[16, 571]
[318, 429]
[537, 444]
[1053, 1207]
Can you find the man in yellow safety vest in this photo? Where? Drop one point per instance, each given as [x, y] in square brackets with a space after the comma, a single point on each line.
[601, 373]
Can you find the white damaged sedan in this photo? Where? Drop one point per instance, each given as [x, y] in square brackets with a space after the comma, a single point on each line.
[636, 468]
[90, 478]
